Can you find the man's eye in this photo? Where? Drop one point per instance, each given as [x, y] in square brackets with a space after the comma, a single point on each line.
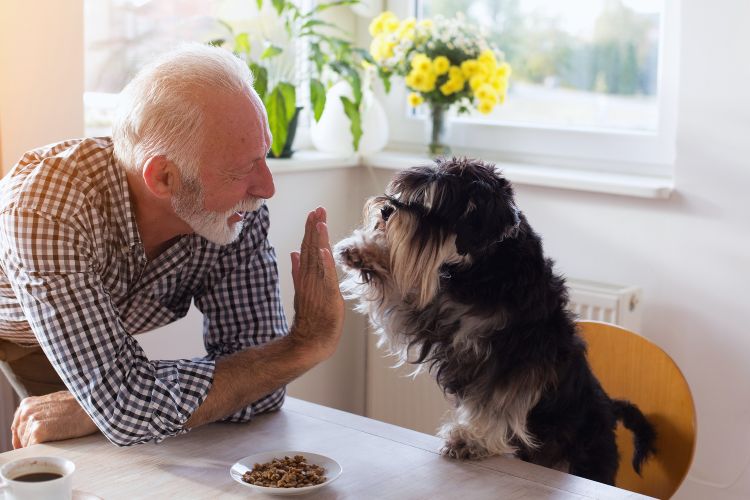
[386, 212]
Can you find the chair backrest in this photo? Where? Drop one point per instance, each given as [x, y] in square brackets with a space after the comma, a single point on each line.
[631, 367]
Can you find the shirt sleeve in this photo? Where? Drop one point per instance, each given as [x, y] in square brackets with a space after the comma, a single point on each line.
[241, 303]
[54, 271]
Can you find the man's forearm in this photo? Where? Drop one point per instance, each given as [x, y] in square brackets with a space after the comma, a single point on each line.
[246, 376]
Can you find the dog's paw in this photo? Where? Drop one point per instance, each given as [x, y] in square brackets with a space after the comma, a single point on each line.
[350, 257]
[461, 450]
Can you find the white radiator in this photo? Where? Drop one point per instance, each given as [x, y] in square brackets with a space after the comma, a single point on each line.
[418, 403]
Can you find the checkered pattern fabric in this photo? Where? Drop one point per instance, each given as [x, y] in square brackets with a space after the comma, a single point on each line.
[74, 278]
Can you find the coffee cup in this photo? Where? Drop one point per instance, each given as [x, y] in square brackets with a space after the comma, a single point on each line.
[37, 478]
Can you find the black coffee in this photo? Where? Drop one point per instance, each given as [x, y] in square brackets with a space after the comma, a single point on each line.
[37, 477]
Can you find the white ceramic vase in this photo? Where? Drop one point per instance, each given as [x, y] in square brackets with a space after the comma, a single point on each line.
[332, 133]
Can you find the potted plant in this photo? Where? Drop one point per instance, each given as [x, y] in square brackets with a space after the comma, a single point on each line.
[444, 62]
[331, 57]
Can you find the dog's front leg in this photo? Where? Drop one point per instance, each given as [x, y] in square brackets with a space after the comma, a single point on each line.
[461, 442]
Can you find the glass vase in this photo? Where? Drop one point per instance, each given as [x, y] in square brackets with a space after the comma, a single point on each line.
[437, 130]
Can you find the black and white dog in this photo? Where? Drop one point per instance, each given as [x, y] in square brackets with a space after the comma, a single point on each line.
[455, 281]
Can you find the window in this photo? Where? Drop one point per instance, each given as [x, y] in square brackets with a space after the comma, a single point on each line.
[121, 35]
[592, 80]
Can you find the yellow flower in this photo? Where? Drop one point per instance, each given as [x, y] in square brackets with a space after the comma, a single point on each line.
[441, 64]
[486, 92]
[378, 25]
[475, 81]
[487, 57]
[499, 84]
[487, 68]
[455, 72]
[426, 24]
[469, 67]
[503, 71]
[423, 81]
[416, 79]
[429, 83]
[415, 99]
[406, 28]
[448, 88]
[421, 62]
[485, 107]
[391, 25]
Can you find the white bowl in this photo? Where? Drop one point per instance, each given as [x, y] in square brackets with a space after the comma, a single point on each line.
[332, 467]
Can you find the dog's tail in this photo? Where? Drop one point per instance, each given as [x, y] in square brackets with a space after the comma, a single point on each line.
[644, 434]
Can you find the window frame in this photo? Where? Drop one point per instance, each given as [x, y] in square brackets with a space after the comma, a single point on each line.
[633, 152]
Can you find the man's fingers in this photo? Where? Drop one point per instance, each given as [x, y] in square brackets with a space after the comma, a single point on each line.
[314, 236]
[29, 429]
[19, 423]
[307, 241]
[295, 269]
[329, 267]
[323, 238]
[38, 434]
[16, 440]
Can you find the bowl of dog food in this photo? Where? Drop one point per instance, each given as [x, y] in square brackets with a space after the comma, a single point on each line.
[285, 472]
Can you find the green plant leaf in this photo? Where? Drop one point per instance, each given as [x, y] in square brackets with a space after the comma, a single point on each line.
[227, 26]
[351, 75]
[318, 56]
[315, 22]
[260, 79]
[271, 51]
[277, 120]
[279, 5]
[317, 98]
[364, 55]
[242, 44]
[289, 93]
[385, 77]
[327, 5]
[259, 3]
[352, 111]
[216, 42]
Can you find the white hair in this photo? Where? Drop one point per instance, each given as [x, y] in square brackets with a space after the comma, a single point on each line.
[159, 112]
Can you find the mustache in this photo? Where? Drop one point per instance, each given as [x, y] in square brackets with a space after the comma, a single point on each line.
[249, 205]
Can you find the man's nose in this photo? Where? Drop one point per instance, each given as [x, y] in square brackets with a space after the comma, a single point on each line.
[262, 186]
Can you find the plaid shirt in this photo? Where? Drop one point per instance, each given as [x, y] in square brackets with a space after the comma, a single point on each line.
[74, 275]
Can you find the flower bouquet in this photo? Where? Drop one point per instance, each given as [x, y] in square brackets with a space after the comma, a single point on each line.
[444, 62]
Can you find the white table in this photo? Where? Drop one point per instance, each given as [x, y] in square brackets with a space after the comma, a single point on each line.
[380, 461]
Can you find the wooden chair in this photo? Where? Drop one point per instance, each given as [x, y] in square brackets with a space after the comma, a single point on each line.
[633, 368]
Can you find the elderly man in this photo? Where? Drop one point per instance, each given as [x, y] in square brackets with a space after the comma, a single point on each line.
[101, 239]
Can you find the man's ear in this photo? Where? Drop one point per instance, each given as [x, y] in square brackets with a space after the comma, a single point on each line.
[161, 176]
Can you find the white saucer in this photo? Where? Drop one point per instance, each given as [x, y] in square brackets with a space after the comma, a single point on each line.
[332, 467]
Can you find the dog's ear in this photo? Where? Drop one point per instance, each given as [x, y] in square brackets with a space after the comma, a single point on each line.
[490, 217]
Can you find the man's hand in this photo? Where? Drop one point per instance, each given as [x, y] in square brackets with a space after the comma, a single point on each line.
[53, 417]
[248, 375]
[318, 305]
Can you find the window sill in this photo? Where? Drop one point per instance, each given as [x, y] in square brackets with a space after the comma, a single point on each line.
[639, 186]
[310, 160]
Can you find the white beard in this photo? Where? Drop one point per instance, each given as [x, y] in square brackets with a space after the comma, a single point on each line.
[214, 226]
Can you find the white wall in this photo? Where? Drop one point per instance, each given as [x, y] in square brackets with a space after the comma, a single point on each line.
[41, 75]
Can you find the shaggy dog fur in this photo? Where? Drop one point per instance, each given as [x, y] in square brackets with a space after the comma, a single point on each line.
[455, 281]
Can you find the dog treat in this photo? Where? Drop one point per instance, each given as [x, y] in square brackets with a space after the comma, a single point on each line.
[285, 473]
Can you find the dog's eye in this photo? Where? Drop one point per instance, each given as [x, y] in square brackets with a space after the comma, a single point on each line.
[386, 212]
